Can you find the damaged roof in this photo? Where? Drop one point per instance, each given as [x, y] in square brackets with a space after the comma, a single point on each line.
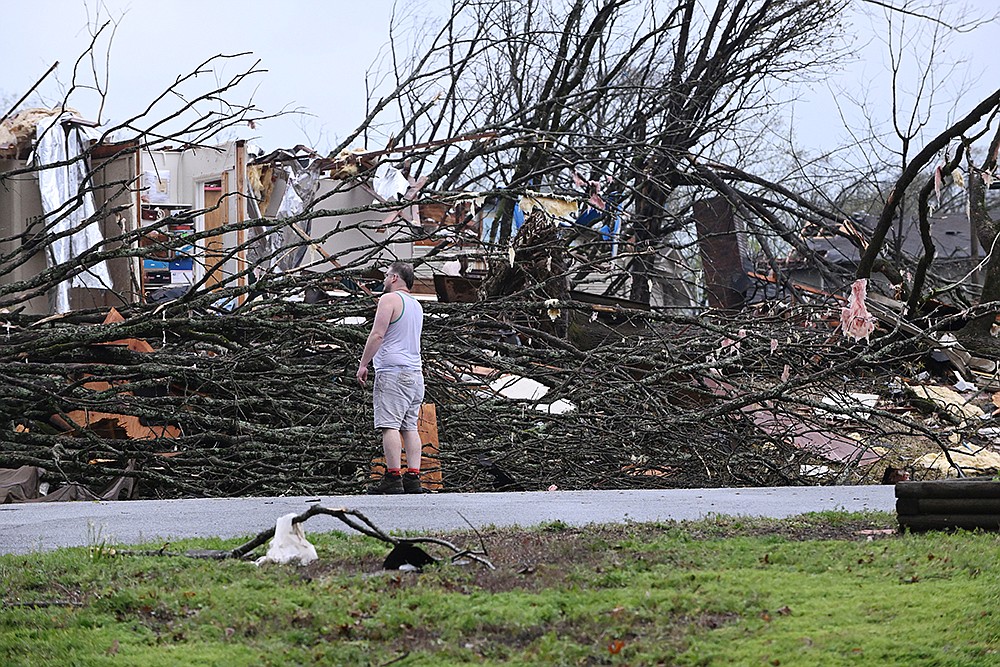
[952, 236]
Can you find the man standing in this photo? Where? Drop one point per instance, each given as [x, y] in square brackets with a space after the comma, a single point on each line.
[394, 347]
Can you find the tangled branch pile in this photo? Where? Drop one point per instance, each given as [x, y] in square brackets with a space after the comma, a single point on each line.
[265, 402]
[627, 122]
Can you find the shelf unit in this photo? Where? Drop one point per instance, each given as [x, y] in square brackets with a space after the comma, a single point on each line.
[166, 266]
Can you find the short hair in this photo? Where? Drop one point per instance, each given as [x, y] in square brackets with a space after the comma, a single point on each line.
[404, 270]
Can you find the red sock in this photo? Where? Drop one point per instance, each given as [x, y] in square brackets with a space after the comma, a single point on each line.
[395, 472]
[415, 471]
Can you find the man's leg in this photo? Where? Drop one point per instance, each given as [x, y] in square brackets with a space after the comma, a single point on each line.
[391, 447]
[413, 447]
[411, 480]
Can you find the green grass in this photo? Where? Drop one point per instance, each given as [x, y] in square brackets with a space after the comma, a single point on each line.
[718, 592]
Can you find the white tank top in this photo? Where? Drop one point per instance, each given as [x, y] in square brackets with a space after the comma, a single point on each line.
[400, 349]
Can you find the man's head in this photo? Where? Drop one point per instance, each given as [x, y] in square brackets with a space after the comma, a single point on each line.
[401, 272]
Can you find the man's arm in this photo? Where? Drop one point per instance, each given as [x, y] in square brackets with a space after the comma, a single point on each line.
[383, 316]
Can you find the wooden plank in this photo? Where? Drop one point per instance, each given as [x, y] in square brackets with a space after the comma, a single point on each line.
[922, 522]
[214, 249]
[241, 215]
[430, 462]
[952, 488]
[948, 505]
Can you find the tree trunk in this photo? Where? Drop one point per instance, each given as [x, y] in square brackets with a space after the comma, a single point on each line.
[980, 327]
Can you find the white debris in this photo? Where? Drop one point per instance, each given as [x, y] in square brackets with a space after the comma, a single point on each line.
[962, 385]
[289, 544]
[553, 308]
[517, 387]
[557, 407]
[814, 470]
[851, 401]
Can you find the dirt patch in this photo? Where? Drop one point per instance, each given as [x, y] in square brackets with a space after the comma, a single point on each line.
[538, 559]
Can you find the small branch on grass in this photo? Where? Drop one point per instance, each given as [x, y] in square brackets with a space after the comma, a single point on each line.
[354, 519]
[398, 659]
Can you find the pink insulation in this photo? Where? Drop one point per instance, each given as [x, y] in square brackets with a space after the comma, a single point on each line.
[855, 320]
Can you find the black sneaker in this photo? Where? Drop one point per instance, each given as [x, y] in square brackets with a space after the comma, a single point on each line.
[411, 483]
[390, 484]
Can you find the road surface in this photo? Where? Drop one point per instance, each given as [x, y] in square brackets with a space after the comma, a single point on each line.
[26, 528]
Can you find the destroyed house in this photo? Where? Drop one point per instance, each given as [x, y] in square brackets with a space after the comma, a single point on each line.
[956, 254]
[167, 202]
[312, 214]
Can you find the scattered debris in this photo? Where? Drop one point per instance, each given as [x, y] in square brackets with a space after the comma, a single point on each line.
[26, 485]
[960, 460]
[949, 403]
[849, 405]
[855, 320]
[289, 544]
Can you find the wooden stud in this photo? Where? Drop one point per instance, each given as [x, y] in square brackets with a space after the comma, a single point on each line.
[241, 206]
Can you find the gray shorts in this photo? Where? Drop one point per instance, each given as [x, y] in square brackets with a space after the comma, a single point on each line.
[397, 397]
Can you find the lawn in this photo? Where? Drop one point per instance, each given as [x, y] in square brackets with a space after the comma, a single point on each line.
[819, 589]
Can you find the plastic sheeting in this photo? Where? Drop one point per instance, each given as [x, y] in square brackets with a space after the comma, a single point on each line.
[68, 204]
[389, 182]
[299, 191]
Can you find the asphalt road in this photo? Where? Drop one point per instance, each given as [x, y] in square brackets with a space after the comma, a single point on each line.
[26, 528]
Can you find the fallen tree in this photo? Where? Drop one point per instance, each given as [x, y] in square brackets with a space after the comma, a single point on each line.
[265, 402]
[243, 384]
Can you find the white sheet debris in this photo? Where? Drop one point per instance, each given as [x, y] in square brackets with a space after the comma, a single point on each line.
[851, 401]
[389, 182]
[517, 387]
[557, 407]
[68, 203]
[522, 388]
[289, 544]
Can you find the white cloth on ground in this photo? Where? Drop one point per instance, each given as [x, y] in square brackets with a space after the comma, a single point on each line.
[289, 544]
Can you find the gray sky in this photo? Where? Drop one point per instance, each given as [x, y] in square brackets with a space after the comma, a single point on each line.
[960, 77]
[317, 53]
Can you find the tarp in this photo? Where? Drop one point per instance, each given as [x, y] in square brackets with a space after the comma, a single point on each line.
[389, 182]
[68, 203]
[23, 485]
